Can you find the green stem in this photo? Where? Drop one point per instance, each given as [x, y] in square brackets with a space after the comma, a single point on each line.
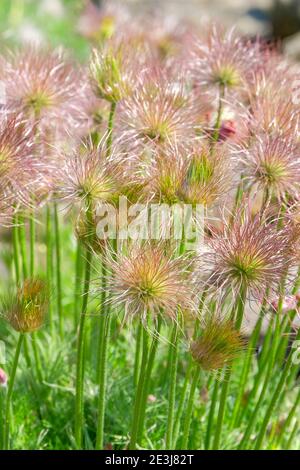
[32, 244]
[182, 400]
[189, 410]
[11, 382]
[288, 420]
[23, 248]
[246, 369]
[292, 435]
[77, 284]
[16, 249]
[110, 128]
[32, 266]
[222, 407]
[79, 407]
[137, 358]
[266, 382]
[219, 114]
[145, 392]
[49, 263]
[273, 403]
[36, 353]
[102, 374]
[172, 387]
[2, 405]
[58, 269]
[21, 241]
[238, 315]
[211, 415]
[139, 391]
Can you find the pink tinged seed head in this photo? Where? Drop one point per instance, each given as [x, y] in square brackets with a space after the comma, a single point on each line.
[208, 174]
[88, 175]
[160, 112]
[20, 171]
[249, 253]
[148, 281]
[223, 59]
[100, 24]
[273, 164]
[45, 86]
[270, 109]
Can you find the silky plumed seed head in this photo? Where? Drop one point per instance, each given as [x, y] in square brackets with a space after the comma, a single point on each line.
[222, 59]
[26, 309]
[218, 345]
[250, 253]
[160, 112]
[19, 169]
[45, 86]
[273, 164]
[149, 281]
[88, 175]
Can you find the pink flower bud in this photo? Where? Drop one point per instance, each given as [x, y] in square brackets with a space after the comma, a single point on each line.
[3, 378]
[227, 130]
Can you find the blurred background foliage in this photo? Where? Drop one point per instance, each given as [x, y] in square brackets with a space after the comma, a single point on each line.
[56, 22]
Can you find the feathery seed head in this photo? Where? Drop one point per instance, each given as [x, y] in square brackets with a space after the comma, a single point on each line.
[26, 309]
[223, 59]
[219, 344]
[46, 87]
[250, 253]
[148, 281]
[19, 169]
[113, 72]
[273, 163]
[158, 113]
[207, 174]
[89, 175]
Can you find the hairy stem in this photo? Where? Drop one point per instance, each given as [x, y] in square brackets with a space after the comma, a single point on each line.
[11, 382]
[189, 410]
[79, 399]
[172, 387]
[110, 127]
[58, 270]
